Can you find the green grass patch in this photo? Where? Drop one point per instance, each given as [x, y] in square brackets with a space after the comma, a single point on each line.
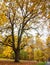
[41, 63]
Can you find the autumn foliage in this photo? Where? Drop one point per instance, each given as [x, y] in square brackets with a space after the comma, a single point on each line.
[17, 19]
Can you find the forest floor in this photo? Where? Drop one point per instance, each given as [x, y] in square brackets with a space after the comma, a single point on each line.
[21, 63]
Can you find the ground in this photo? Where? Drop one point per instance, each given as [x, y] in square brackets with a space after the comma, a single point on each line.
[21, 63]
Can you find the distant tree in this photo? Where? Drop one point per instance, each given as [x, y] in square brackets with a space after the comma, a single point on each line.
[48, 46]
[39, 43]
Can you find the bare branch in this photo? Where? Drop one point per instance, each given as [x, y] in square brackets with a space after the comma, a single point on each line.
[31, 17]
[27, 34]
[26, 6]
[30, 28]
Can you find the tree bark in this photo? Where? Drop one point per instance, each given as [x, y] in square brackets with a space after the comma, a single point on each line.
[16, 50]
[17, 55]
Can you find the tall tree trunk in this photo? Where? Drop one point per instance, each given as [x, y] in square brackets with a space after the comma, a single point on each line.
[16, 50]
[17, 55]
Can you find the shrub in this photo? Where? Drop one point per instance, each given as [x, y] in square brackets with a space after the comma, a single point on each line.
[23, 55]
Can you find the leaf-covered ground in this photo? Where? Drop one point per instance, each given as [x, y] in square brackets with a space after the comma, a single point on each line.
[21, 63]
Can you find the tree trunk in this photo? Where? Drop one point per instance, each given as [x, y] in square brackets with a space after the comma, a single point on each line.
[16, 50]
[49, 59]
[17, 54]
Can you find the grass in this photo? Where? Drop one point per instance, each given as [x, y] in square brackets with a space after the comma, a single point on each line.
[41, 63]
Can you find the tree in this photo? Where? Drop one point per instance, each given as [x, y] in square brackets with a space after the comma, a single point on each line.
[48, 41]
[20, 14]
[39, 55]
[39, 43]
[7, 52]
[48, 46]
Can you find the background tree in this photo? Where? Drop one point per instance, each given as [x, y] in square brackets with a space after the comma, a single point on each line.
[48, 47]
[39, 43]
